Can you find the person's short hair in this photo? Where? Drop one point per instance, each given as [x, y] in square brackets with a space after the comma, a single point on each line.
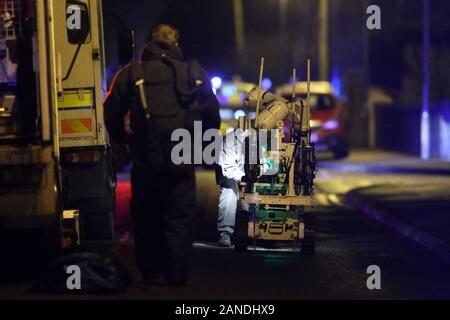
[165, 33]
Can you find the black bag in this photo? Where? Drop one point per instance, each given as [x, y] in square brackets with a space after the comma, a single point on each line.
[171, 94]
[170, 86]
[99, 274]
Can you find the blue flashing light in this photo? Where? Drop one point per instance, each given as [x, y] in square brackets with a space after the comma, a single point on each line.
[216, 83]
[266, 84]
[229, 91]
[444, 142]
[238, 114]
[226, 114]
[336, 83]
[425, 136]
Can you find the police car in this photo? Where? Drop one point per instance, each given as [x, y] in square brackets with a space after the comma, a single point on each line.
[327, 116]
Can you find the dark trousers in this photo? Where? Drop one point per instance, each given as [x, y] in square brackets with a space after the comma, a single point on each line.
[163, 211]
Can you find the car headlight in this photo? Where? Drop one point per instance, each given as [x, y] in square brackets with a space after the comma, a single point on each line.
[315, 123]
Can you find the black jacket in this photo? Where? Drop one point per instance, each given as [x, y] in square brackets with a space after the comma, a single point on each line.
[160, 80]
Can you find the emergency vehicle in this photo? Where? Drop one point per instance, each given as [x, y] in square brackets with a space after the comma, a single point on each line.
[328, 123]
[55, 163]
[231, 97]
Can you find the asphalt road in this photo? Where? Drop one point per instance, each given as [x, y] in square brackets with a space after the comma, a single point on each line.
[348, 243]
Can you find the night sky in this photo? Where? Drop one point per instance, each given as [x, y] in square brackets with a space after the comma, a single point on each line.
[207, 34]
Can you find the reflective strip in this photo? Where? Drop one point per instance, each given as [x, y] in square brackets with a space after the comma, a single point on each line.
[77, 99]
[70, 126]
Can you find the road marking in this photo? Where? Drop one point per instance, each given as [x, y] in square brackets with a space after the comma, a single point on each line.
[334, 199]
[322, 199]
[212, 245]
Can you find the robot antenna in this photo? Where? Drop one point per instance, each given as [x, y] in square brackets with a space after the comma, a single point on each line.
[308, 99]
[258, 101]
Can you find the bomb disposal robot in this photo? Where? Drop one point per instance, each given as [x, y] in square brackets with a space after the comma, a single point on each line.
[279, 185]
[54, 156]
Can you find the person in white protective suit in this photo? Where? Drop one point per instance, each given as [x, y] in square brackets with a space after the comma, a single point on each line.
[229, 173]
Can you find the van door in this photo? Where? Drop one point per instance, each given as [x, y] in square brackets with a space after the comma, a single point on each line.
[77, 68]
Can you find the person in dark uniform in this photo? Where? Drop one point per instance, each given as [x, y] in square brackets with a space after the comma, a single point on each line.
[161, 93]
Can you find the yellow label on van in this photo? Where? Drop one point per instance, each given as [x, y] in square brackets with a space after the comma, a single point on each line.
[76, 99]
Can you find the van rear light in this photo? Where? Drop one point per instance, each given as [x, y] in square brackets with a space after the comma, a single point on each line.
[83, 157]
[30, 176]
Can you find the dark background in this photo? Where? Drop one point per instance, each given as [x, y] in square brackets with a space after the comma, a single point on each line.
[207, 33]
[362, 63]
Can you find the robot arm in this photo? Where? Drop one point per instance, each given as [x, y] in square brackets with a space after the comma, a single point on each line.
[290, 157]
[276, 109]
